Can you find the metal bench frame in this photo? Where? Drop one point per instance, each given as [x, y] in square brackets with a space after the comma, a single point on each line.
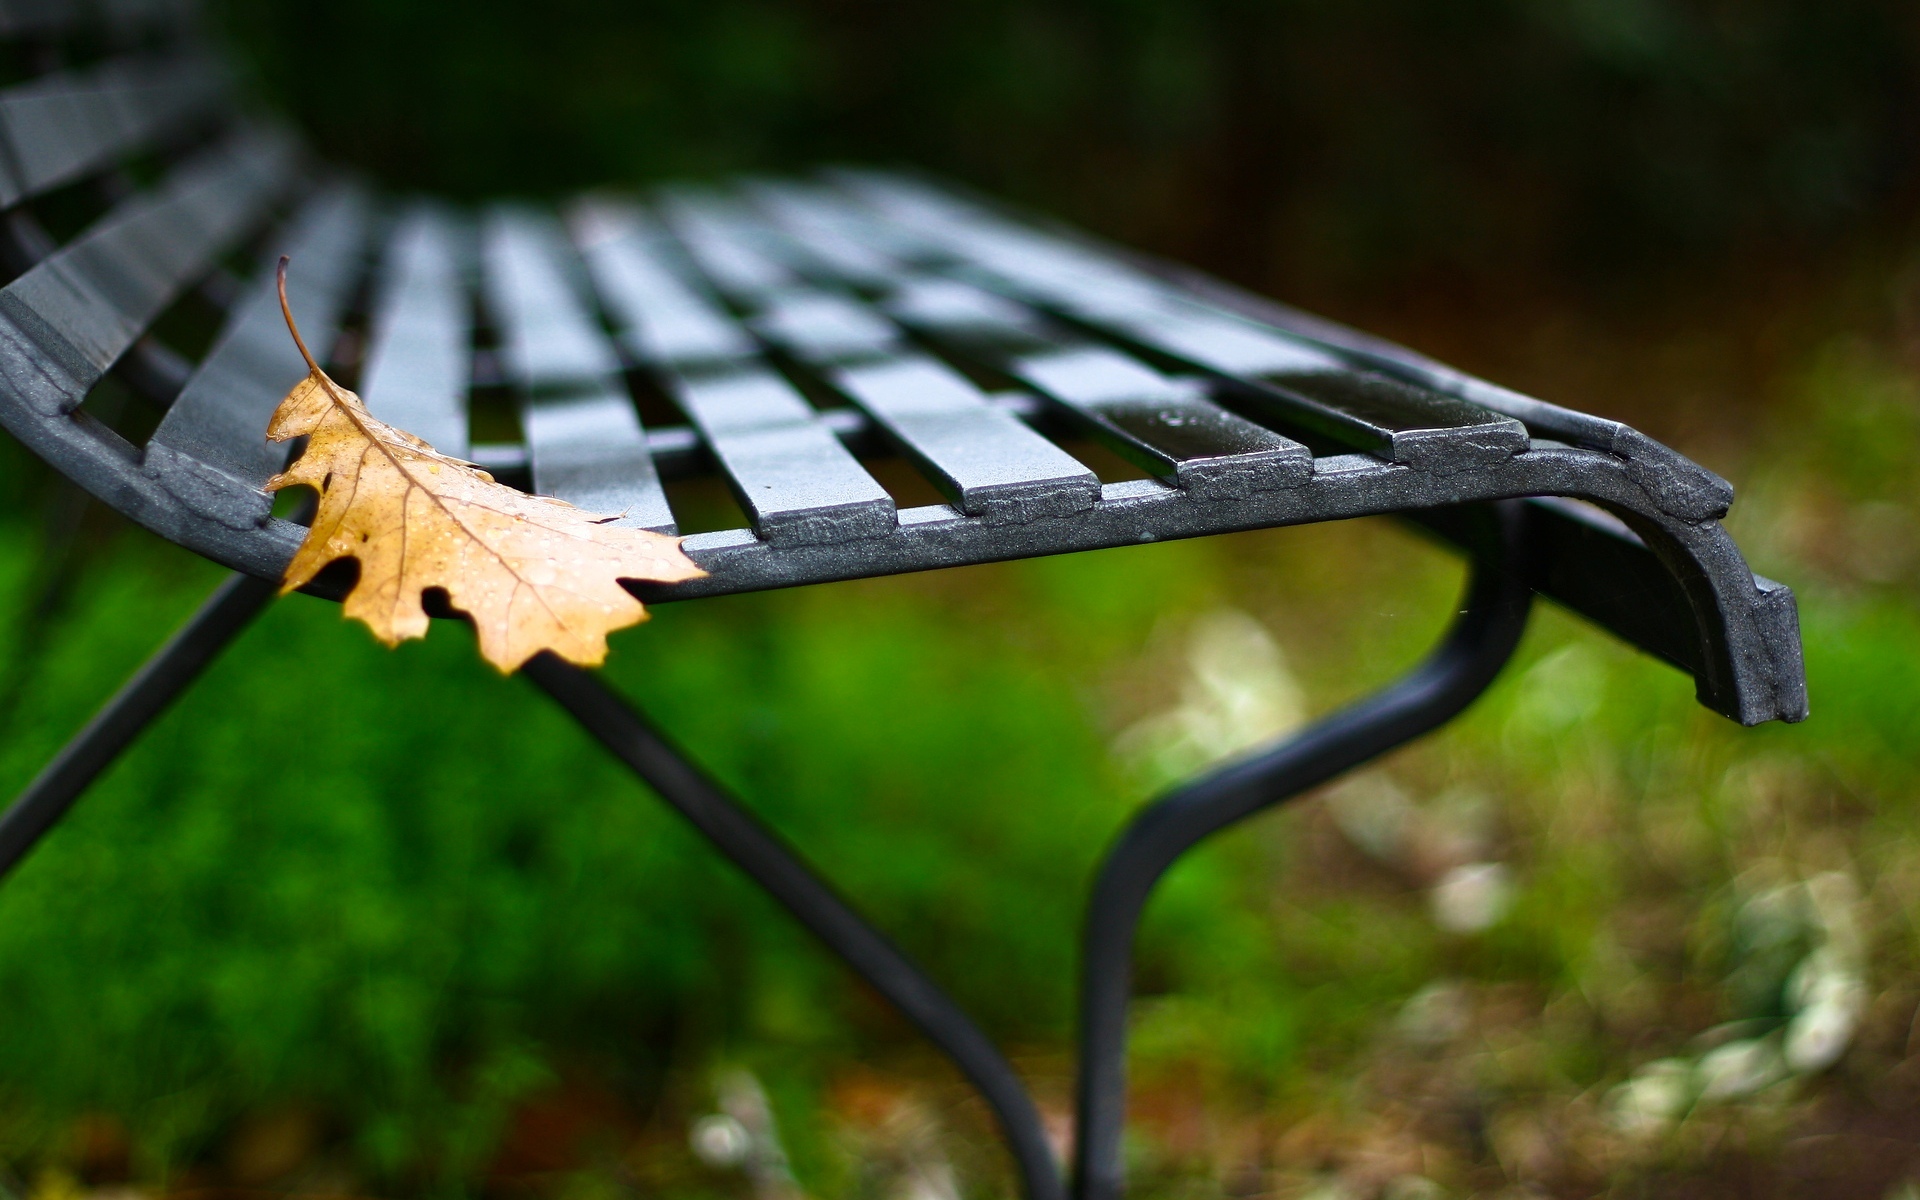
[867, 288]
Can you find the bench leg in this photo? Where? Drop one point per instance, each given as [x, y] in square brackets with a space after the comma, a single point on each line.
[145, 696]
[1481, 639]
[778, 868]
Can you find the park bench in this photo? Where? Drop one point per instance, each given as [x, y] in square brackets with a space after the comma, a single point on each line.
[797, 329]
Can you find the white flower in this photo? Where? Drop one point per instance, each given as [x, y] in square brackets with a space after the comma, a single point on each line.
[1658, 1095]
[1436, 1014]
[1375, 814]
[720, 1141]
[1739, 1069]
[1411, 1187]
[1472, 898]
[1238, 694]
[1831, 1005]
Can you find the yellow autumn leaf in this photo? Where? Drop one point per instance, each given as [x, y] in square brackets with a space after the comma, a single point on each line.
[533, 573]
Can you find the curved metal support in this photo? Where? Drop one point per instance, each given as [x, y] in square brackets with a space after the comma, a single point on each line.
[776, 867]
[1481, 639]
[174, 666]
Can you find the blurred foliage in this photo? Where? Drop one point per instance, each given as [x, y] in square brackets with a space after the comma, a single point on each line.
[1278, 141]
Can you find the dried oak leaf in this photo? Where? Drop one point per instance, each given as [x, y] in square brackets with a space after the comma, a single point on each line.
[533, 573]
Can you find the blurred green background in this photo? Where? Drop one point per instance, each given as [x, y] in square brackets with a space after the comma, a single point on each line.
[1381, 145]
[356, 922]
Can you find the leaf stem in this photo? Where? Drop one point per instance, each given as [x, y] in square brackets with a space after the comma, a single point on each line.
[286, 310]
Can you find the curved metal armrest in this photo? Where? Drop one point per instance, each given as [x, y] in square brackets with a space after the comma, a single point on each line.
[1676, 590]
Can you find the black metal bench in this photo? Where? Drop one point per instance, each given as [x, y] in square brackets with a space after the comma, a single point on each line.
[802, 326]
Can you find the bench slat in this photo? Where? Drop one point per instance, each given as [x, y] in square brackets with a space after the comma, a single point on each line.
[1298, 383]
[984, 458]
[212, 446]
[958, 310]
[1220, 343]
[990, 464]
[821, 233]
[419, 358]
[221, 415]
[821, 327]
[750, 259]
[89, 301]
[661, 319]
[1168, 426]
[1302, 385]
[719, 236]
[584, 440]
[588, 449]
[73, 123]
[1397, 421]
[791, 474]
[550, 338]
